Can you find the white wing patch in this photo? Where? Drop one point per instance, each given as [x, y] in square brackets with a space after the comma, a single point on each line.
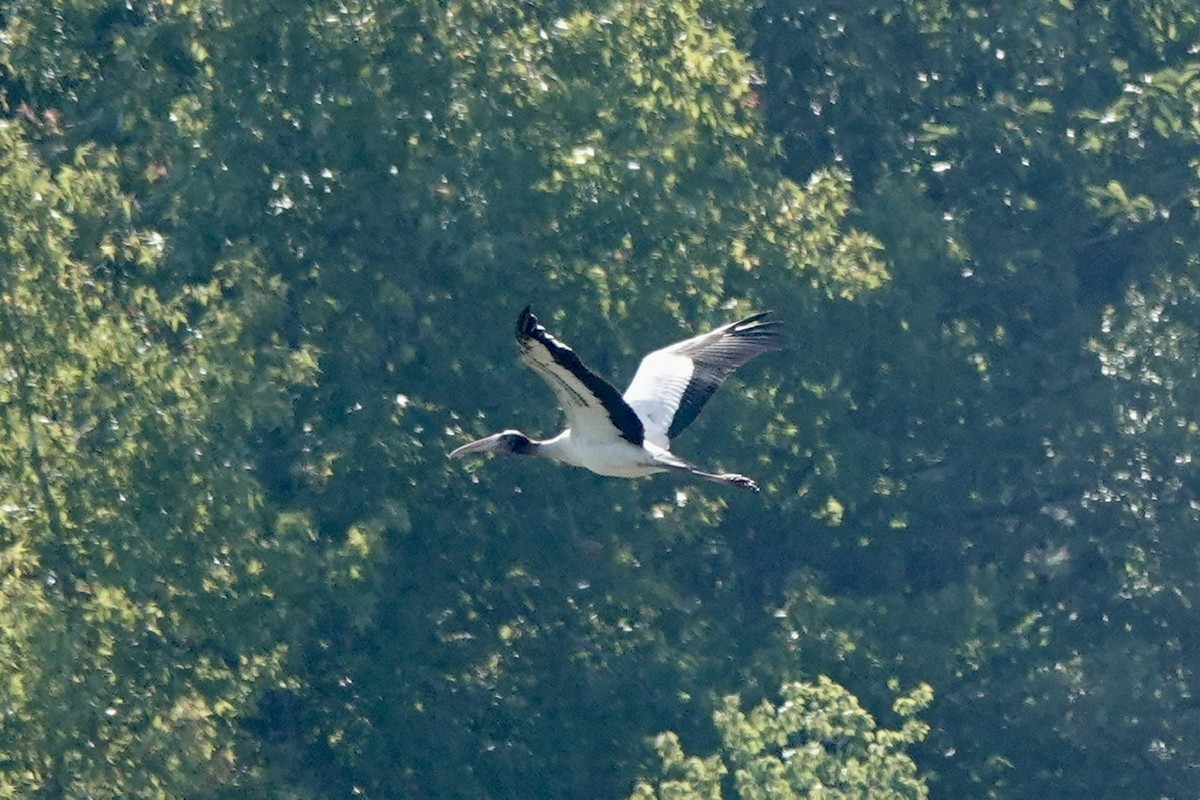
[586, 417]
[656, 391]
[673, 384]
[595, 411]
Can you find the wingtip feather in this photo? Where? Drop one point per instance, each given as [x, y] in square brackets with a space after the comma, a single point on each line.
[755, 317]
[526, 323]
[758, 326]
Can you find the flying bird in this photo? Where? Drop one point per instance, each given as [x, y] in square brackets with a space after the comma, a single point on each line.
[629, 435]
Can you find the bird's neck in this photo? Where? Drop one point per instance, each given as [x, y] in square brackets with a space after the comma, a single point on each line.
[558, 448]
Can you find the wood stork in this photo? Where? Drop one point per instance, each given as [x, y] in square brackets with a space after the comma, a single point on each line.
[629, 436]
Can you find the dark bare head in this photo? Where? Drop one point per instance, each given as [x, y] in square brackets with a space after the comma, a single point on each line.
[509, 441]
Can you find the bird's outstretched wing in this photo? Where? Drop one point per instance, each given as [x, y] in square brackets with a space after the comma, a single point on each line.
[594, 408]
[674, 383]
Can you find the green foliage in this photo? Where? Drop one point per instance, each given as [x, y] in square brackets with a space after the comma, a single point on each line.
[364, 188]
[139, 582]
[1024, 168]
[260, 267]
[818, 743]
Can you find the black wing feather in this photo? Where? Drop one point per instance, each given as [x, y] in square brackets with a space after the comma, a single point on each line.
[713, 362]
[623, 417]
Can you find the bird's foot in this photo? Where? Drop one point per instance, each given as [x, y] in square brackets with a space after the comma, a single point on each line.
[740, 481]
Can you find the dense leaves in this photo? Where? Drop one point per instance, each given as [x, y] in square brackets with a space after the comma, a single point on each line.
[818, 743]
[1049, 213]
[141, 577]
[260, 266]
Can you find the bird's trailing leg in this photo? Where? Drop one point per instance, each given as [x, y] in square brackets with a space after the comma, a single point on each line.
[728, 478]
[673, 462]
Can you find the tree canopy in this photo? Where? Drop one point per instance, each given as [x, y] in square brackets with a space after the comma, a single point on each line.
[258, 274]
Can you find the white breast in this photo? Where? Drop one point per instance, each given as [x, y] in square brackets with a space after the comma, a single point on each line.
[611, 456]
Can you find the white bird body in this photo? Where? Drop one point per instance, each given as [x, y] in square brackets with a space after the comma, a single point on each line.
[629, 436]
[611, 457]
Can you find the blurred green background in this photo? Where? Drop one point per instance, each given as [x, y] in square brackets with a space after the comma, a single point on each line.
[259, 267]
